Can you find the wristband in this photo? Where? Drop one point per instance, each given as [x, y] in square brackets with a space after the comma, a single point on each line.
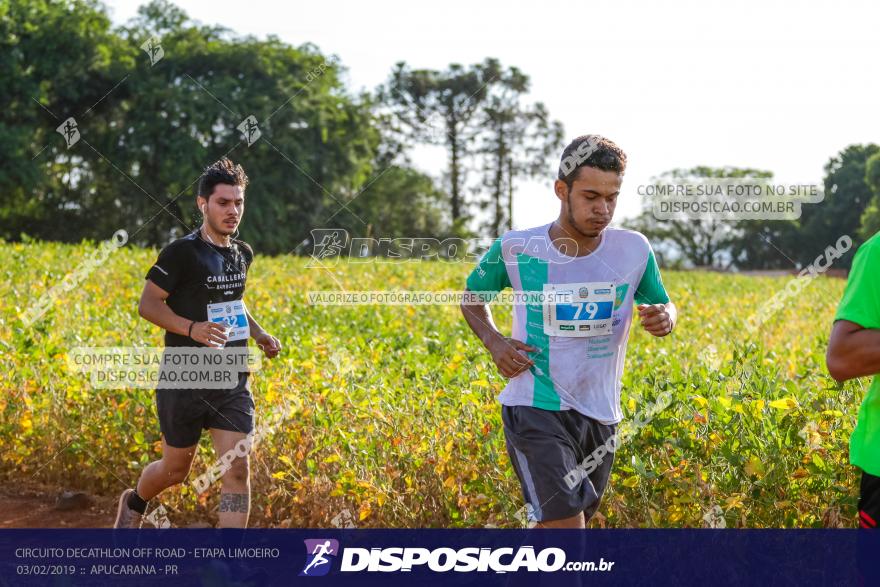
[190, 331]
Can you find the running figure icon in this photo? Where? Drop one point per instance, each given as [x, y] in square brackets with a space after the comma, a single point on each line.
[319, 554]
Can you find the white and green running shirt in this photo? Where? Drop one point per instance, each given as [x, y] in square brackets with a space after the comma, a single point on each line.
[579, 363]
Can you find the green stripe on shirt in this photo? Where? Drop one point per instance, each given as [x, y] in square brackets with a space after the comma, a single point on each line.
[533, 275]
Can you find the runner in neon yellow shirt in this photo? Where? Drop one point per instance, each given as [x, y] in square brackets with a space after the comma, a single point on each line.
[854, 351]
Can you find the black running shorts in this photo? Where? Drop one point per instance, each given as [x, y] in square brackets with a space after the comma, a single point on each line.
[184, 413]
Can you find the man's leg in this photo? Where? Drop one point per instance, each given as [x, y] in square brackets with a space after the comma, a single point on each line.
[168, 471]
[232, 449]
[575, 521]
[595, 435]
[180, 421]
[869, 501]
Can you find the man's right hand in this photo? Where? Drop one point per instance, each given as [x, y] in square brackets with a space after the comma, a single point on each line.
[209, 333]
[506, 352]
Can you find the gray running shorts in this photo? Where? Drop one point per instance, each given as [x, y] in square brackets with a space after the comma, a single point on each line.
[562, 458]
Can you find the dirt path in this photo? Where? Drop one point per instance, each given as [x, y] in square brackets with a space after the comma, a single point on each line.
[34, 507]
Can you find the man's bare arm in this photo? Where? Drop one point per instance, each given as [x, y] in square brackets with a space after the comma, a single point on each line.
[152, 307]
[255, 328]
[268, 343]
[853, 351]
[505, 351]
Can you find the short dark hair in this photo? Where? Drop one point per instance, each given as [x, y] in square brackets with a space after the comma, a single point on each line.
[590, 151]
[223, 171]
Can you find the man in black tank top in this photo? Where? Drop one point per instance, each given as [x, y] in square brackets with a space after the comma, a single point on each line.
[195, 292]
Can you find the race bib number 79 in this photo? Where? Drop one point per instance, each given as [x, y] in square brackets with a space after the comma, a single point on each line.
[578, 309]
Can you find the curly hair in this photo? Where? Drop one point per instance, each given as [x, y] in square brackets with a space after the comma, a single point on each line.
[590, 151]
[223, 171]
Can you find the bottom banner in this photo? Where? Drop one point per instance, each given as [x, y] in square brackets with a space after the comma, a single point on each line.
[434, 557]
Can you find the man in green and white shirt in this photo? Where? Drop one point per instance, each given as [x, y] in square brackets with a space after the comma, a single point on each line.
[854, 351]
[566, 354]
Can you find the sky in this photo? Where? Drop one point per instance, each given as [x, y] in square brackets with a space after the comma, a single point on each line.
[773, 85]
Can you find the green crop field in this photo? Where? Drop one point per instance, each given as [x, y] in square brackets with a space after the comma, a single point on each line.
[389, 412]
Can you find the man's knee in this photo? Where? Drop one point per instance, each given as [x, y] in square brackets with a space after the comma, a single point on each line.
[176, 476]
[237, 472]
[176, 472]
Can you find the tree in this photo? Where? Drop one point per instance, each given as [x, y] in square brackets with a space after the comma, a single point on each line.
[703, 242]
[847, 196]
[516, 142]
[870, 220]
[56, 61]
[148, 129]
[315, 147]
[401, 203]
[440, 108]
[764, 244]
